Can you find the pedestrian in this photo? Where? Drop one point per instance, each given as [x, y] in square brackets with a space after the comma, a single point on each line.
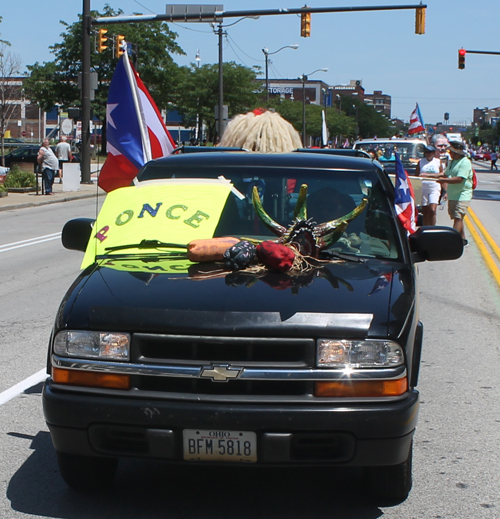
[430, 167]
[458, 178]
[493, 158]
[48, 164]
[63, 152]
[440, 142]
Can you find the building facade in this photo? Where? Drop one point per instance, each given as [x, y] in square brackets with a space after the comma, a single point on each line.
[320, 93]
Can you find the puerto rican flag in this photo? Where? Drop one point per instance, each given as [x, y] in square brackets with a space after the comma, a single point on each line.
[404, 198]
[416, 122]
[135, 130]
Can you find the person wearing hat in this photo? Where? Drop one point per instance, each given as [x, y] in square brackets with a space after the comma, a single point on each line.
[430, 167]
[458, 178]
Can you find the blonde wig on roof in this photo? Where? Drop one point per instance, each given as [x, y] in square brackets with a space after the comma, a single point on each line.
[262, 131]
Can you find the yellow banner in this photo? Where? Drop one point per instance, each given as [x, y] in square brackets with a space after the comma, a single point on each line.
[173, 211]
[160, 266]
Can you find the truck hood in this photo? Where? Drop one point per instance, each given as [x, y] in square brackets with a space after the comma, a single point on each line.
[347, 299]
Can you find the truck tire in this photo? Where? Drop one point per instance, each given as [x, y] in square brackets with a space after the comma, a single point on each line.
[87, 472]
[389, 484]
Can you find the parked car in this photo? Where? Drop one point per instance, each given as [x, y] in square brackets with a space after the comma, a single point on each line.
[28, 154]
[11, 142]
[158, 354]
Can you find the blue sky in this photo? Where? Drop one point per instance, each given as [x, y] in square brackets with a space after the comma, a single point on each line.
[379, 48]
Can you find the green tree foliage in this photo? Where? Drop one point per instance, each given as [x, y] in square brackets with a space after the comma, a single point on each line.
[56, 82]
[339, 123]
[197, 93]
[368, 120]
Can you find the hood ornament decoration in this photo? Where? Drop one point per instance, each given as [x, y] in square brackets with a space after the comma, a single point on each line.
[311, 238]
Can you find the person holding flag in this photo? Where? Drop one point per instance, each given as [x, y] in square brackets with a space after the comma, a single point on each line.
[135, 130]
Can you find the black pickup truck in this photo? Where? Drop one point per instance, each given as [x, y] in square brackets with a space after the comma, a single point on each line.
[153, 355]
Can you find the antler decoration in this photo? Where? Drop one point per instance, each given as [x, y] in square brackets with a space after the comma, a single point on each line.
[309, 237]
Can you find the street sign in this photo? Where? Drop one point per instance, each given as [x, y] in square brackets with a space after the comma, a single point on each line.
[206, 13]
[67, 126]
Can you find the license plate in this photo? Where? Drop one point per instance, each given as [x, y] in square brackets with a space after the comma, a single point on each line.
[220, 445]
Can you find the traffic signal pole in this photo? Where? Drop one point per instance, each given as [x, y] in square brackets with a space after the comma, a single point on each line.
[85, 143]
[462, 52]
[215, 17]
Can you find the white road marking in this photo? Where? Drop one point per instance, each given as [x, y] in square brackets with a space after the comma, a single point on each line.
[27, 243]
[22, 386]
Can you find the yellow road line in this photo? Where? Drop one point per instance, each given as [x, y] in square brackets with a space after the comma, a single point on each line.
[481, 245]
[485, 233]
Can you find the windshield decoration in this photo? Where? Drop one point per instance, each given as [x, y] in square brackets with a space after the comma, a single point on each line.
[157, 217]
[306, 235]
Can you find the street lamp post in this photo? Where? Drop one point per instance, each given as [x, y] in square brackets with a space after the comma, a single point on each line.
[304, 79]
[198, 116]
[266, 52]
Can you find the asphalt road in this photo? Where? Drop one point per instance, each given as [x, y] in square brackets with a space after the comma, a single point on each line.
[456, 454]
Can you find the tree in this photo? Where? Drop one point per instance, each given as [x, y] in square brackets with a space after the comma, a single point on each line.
[338, 124]
[197, 93]
[153, 43]
[10, 66]
[368, 120]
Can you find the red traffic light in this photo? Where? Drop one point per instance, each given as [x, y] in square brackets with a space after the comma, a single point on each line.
[461, 58]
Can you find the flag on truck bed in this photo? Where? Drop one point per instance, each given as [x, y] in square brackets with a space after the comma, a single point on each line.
[416, 122]
[135, 130]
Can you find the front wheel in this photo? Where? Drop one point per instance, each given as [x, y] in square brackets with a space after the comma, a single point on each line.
[390, 484]
[87, 472]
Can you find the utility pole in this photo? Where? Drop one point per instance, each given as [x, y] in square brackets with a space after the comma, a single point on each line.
[85, 143]
[221, 86]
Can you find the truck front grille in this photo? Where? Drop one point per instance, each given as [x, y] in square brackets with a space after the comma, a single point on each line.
[241, 352]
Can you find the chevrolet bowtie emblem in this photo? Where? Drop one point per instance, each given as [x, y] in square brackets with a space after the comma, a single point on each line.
[220, 373]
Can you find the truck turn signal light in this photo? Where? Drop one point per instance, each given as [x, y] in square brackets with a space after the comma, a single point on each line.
[461, 58]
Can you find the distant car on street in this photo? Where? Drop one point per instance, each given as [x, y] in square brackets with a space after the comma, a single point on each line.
[482, 155]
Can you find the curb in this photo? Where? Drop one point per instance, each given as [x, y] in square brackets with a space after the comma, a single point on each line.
[46, 202]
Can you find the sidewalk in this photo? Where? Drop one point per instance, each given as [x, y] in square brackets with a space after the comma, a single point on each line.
[23, 200]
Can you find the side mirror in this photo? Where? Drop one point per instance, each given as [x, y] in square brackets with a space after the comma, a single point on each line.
[436, 244]
[76, 233]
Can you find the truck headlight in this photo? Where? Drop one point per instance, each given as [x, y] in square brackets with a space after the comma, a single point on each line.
[94, 345]
[332, 353]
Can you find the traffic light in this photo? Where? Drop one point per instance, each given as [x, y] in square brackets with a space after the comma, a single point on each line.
[305, 24]
[101, 41]
[461, 59]
[420, 20]
[119, 45]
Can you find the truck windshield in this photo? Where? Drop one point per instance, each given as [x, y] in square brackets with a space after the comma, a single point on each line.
[331, 194]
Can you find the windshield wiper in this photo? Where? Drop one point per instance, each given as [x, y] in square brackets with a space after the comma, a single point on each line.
[147, 244]
[329, 254]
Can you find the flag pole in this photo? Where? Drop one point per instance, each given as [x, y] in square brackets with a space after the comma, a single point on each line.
[146, 147]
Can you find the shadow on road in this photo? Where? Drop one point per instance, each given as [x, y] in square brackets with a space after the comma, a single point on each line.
[149, 489]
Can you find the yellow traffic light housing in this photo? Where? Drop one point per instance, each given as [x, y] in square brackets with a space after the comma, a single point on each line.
[119, 45]
[461, 58]
[420, 20]
[305, 24]
[101, 40]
